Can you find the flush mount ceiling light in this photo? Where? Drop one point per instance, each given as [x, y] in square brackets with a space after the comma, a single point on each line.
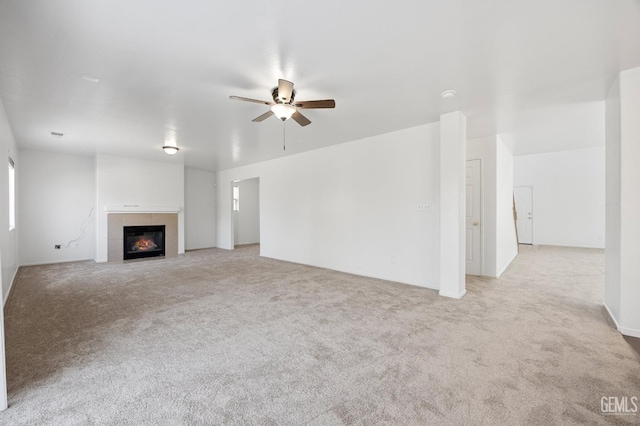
[448, 94]
[169, 149]
[283, 111]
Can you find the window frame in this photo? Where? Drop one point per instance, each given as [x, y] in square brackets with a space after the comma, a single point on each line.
[235, 196]
[12, 194]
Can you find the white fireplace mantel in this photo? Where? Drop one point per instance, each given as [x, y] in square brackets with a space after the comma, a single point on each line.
[134, 208]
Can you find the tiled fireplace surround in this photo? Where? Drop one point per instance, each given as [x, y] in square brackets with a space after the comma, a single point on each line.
[116, 222]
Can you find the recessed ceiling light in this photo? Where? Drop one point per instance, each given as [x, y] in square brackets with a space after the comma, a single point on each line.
[448, 94]
[91, 79]
[57, 134]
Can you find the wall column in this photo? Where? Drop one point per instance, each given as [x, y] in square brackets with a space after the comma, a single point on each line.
[453, 141]
[622, 251]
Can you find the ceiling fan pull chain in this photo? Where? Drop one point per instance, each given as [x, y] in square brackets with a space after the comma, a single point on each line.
[284, 136]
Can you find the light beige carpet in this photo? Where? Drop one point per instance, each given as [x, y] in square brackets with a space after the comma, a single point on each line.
[219, 337]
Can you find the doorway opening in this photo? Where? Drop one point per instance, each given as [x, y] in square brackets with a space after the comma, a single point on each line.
[245, 210]
[523, 196]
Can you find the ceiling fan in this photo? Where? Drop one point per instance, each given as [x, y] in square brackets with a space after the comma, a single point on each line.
[283, 105]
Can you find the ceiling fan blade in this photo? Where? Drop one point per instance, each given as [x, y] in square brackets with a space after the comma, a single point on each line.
[263, 117]
[255, 101]
[327, 103]
[300, 119]
[285, 89]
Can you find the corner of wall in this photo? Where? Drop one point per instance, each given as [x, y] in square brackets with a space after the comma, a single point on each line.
[502, 270]
[10, 289]
[9, 243]
[623, 330]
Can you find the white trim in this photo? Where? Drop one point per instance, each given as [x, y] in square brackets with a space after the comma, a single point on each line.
[55, 262]
[13, 280]
[507, 265]
[611, 316]
[134, 208]
[352, 272]
[15, 273]
[629, 332]
[453, 295]
[4, 401]
[623, 330]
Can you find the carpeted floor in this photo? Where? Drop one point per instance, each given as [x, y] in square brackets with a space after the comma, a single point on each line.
[227, 337]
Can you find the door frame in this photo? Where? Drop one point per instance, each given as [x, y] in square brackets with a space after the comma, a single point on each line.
[232, 224]
[518, 233]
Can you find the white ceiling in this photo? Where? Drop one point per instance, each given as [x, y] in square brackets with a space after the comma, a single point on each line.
[167, 68]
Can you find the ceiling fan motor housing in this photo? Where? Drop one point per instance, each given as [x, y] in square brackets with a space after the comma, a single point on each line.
[276, 98]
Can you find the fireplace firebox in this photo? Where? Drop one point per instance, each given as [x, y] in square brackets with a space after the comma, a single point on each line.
[143, 241]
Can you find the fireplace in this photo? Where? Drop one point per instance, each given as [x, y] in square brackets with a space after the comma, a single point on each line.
[143, 241]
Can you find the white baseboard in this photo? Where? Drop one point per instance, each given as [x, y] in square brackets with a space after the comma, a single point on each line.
[15, 273]
[453, 295]
[429, 286]
[507, 265]
[623, 330]
[13, 280]
[53, 262]
[629, 332]
[606, 308]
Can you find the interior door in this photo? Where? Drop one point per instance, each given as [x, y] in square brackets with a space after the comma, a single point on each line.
[473, 219]
[524, 211]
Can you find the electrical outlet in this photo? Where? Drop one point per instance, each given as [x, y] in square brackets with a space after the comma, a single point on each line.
[57, 247]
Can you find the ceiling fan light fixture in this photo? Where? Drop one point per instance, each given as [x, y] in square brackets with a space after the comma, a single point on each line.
[169, 149]
[283, 111]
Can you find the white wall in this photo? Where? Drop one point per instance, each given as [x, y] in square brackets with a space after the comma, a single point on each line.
[350, 207]
[246, 222]
[8, 239]
[612, 287]
[630, 201]
[129, 181]
[498, 231]
[57, 194]
[199, 209]
[622, 273]
[559, 127]
[568, 195]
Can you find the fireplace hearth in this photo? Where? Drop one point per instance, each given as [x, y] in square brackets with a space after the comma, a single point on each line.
[143, 241]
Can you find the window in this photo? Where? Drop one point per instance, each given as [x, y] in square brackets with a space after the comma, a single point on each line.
[236, 199]
[12, 194]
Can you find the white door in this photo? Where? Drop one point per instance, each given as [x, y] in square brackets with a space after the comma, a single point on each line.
[473, 226]
[524, 212]
[235, 208]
